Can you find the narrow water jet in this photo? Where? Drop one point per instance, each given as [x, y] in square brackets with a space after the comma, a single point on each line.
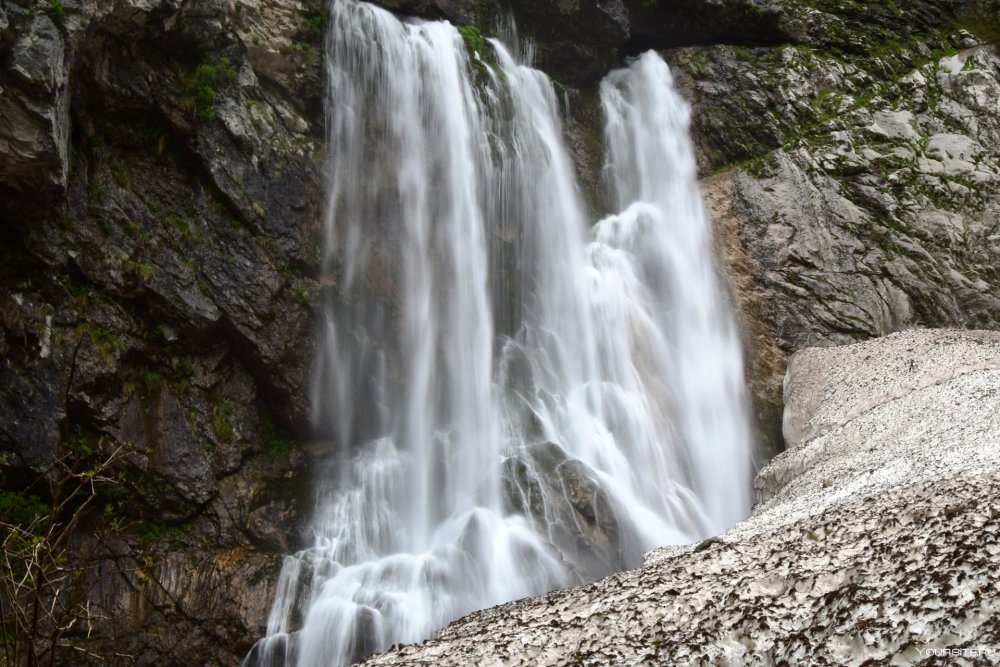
[515, 399]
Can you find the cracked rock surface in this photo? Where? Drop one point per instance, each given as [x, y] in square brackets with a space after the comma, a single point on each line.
[160, 192]
[854, 193]
[875, 541]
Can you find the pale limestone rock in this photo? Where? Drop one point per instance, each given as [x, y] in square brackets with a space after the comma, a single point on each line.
[876, 208]
[268, 29]
[894, 125]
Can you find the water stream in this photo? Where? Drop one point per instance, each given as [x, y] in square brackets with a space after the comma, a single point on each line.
[515, 399]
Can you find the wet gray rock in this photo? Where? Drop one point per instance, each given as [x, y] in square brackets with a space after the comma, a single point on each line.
[186, 468]
[280, 649]
[564, 499]
[578, 41]
[29, 432]
[825, 24]
[159, 217]
[34, 107]
[664, 25]
[876, 542]
[214, 603]
[459, 12]
[274, 525]
[36, 57]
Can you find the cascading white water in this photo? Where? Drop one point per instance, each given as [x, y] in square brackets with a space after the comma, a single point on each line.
[511, 407]
[652, 177]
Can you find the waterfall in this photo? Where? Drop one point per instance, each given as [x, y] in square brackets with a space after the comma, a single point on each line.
[514, 399]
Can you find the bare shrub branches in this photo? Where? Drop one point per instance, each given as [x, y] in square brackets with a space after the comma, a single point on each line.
[49, 558]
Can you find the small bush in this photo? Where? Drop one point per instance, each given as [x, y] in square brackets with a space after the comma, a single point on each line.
[120, 173]
[221, 426]
[472, 34]
[315, 24]
[55, 10]
[46, 573]
[200, 87]
[152, 383]
[277, 442]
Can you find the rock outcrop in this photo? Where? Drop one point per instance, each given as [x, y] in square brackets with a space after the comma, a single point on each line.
[874, 540]
[33, 139]
[159, 206]
[853, 187]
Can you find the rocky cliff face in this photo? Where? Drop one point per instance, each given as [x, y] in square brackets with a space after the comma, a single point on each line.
[160, 198]
[852, 176]
[874, 540]
[159, 167]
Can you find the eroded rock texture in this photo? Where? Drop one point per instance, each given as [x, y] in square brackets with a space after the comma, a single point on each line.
[159, 216]
[853, 183]
[875, 539]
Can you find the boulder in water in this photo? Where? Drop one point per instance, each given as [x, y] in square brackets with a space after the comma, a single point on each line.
[565, 501]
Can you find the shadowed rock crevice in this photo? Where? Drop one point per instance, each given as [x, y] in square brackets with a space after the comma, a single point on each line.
[670, 24]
